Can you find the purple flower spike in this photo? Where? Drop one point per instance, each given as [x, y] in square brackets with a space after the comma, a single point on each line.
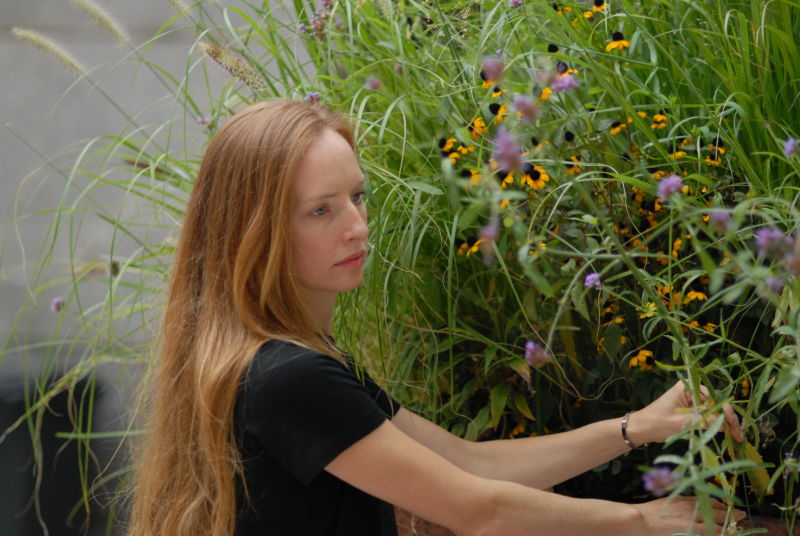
[514, 3]
[564, 83]
[526, 107]
[57, 304]
[373, 83]
[659, 480]
[721, 221]
[312, 97]
[772, 243]
[790, 147]
[536, 355]
[592, 280]
[775, 284]
[668, 186]
[507, 152]
[493, 67]
[793, 262]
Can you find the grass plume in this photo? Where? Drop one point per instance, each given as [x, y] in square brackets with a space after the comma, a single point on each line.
[233, 65]
[103, 19]
[51, 47]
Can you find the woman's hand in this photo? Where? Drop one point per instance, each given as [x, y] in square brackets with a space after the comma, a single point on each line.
[665, 516]
[672, 412]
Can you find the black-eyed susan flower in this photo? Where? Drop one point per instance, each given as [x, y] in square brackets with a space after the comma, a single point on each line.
[659, 121]
[643, 359]
[544, 94]
[535, 249]
[506, 178]
[677, 155]
[499, 111]
[718, 146]
[477, 128]
[518, 429]
[446, 145]
[693, 295]
[534, 176]
[537, 143]
[616, 127]
[574, 168]
[560, 9]
[618, 42]
[469, 247]
[599, 5]
[745, 386]
[648, 311]
[475, 178]
[714, 159]
[466, 149]
[552, 48]
[569, 136]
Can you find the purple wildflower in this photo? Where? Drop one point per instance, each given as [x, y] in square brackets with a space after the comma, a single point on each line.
[659, 480]
[302, 28]
[507, 152]
[721, 221]
[526, 107]
[772, 243]
[398, 68]
[56, 304]
[327, 4]
[491, 230]
[536, 355]
[514, 3]
[312, 97]
[373, 83]
[790, 147]
[592, 280]
[493, 67]
[793, 261]
[564, 83]
[775, 284]
[204, 119]
[668, 186]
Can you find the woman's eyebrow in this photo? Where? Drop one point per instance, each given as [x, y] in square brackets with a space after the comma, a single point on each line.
[360, 184]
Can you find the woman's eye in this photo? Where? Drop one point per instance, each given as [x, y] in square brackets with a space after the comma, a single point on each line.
[359, 197]
[319, 212]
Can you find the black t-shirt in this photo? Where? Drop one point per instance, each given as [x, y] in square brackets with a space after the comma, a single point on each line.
[296, 411]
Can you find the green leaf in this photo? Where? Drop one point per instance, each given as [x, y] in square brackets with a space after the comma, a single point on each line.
[787, 381]
[497, 400]
[521, 403]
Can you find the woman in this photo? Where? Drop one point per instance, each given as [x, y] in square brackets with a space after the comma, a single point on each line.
[259, 424]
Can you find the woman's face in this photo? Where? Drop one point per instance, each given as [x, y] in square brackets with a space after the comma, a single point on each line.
[329, 222]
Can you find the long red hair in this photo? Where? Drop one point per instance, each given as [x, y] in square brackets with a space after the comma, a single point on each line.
[231, 290]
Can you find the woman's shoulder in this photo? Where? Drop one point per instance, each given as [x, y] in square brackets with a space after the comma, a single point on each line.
[282, 358]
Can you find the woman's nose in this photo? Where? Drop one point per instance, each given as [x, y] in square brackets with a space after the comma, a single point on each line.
[357, 223]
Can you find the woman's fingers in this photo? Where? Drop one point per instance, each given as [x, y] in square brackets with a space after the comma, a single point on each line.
[733, 422]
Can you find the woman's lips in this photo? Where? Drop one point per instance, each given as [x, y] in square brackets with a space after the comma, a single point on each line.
[353, 260]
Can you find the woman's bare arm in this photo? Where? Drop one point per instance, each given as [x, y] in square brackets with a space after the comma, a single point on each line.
[389, 464]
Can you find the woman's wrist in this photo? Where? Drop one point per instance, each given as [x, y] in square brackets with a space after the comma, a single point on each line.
[633, 431]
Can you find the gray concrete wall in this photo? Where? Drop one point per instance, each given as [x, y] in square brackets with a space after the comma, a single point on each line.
[45, 117]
